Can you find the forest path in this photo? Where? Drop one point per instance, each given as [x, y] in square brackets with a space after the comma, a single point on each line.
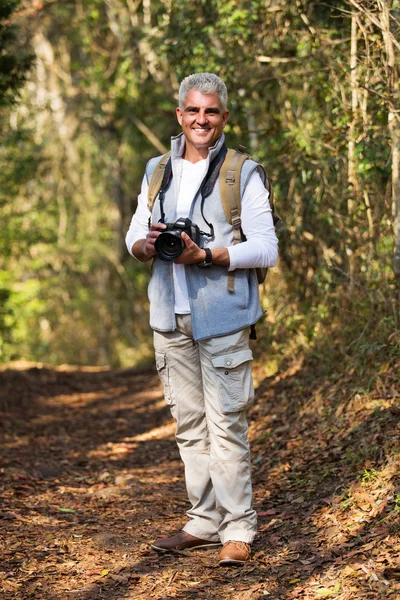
[90, 474]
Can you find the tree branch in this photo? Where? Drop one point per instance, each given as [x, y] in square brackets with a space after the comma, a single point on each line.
[149, 134]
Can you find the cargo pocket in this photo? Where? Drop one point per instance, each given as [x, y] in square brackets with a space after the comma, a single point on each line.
[235, 384]
[163, 372]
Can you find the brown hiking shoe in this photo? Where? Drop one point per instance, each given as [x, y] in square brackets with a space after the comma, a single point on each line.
[182, 541]
[234, 554]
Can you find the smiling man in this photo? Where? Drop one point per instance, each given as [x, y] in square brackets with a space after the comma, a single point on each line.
[202, 119]
[201, 326]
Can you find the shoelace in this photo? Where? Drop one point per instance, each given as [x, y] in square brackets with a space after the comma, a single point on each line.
[241, 545]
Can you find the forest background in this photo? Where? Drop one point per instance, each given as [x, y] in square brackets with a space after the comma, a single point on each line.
[88, 91]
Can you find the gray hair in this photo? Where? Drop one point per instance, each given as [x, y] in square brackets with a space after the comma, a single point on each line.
[205, 83]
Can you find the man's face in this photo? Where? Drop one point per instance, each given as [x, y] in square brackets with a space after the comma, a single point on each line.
[202, 119]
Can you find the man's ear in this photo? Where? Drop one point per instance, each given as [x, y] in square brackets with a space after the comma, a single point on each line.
[225, 117]
[179, 115]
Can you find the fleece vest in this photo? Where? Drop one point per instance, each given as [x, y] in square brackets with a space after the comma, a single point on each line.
[215, 311]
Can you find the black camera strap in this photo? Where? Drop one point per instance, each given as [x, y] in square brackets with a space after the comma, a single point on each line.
[164, 184]
[206, 188]
[209, 182]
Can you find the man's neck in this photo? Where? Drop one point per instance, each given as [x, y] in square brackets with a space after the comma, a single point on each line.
[193, 154]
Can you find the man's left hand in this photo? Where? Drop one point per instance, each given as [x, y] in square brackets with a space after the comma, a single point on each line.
[192, 254]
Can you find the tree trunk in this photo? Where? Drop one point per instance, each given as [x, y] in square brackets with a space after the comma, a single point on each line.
[351, 153]
[394, 128]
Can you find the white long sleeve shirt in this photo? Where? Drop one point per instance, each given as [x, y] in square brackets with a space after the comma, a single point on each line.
[260, 248]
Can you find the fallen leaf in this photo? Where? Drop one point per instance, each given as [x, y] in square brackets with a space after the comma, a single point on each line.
[392, 573]
[347, 571]
[10, 586]
[267, 513]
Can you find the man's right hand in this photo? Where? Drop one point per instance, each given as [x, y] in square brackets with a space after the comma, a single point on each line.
[144, 249]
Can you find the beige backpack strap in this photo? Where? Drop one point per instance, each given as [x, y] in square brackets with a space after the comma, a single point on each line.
[270, 191]
[229, 185]
[156, 180]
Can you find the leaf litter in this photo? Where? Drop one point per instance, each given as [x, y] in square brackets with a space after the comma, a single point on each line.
[91, 475]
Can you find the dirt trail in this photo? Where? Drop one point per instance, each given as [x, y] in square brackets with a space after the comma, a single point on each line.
[90, 473]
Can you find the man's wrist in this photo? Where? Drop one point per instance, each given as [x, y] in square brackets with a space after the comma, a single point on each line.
[220, 257]
[208, 258]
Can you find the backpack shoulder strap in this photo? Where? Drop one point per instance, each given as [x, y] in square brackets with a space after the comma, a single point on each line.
[229, 185]
[156, 180]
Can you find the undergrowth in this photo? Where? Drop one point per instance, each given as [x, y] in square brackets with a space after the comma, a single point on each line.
[353, 329]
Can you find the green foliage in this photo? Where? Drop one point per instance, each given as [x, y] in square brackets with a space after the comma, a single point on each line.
[15, 59]
[101, 103]
[369, 475]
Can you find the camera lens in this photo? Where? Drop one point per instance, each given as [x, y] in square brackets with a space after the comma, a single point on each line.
[169, 245]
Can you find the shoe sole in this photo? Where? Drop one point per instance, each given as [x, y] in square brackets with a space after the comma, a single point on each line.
[203, 546]
[228, 562]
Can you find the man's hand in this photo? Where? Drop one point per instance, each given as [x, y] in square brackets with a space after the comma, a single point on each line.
[144, 249]
[192, 254]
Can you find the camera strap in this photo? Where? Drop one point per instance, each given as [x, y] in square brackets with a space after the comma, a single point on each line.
[164, 184]
[209, 182]
[206, 187]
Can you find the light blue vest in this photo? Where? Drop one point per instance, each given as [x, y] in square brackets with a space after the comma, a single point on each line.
[214, 310]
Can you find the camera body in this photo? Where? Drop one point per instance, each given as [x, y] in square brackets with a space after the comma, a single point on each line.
[169, 244]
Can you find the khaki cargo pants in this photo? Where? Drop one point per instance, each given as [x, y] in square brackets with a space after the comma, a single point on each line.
[208, 387]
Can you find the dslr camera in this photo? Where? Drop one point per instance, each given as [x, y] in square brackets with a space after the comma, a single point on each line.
[169, 244]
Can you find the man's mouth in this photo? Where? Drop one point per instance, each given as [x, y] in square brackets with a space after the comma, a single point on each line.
[201, 129]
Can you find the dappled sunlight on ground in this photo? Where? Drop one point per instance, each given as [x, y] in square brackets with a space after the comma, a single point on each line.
[91, 474]
[159, 433]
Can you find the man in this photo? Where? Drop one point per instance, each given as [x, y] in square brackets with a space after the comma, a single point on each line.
[201, 330]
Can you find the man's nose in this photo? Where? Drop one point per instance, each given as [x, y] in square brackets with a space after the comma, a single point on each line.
[201, 118]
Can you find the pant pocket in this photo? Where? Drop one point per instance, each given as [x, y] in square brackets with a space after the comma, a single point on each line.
[235, 384]
[163, 372]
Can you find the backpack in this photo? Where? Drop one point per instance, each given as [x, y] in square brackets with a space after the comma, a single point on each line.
[227, 169]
